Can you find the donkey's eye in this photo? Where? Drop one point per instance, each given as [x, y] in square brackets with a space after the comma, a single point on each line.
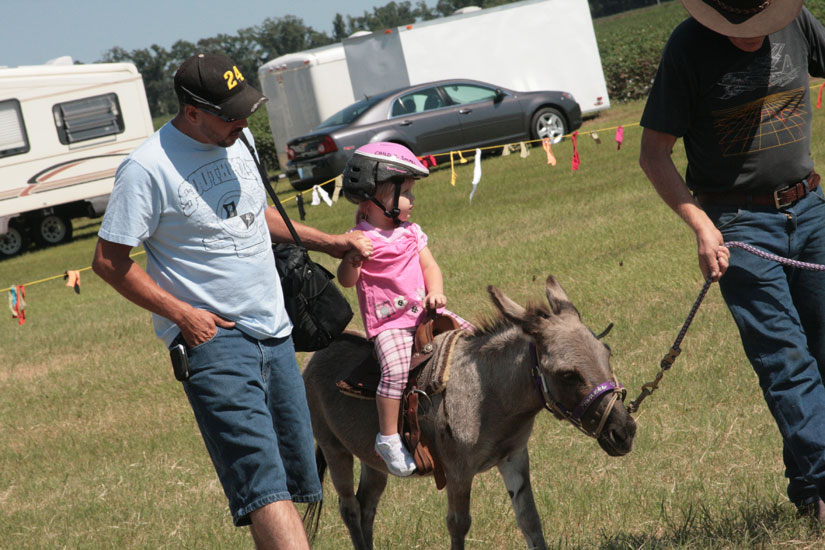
[570, 377]
[543, 314]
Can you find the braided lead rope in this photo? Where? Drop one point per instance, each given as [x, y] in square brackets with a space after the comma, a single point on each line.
[774, 257]
[675, 350]
[672, 354]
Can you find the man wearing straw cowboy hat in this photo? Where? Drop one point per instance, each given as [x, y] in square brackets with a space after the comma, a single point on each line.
[733, 83]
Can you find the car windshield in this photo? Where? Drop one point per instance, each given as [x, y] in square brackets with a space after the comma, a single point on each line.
[349, 113]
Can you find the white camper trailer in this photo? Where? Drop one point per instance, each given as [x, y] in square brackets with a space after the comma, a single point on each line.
[304, 89]
[527, 46]
[64, 129]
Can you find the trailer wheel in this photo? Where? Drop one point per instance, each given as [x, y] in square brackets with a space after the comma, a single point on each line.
[548, 123]
[52, 229]
[13, 242]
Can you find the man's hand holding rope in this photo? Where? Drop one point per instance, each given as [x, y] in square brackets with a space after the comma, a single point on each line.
[714, 256]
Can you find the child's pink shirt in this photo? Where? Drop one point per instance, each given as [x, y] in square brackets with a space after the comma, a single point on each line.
[391, 288]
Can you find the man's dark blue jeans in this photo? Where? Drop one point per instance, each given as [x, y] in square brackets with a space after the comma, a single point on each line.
[780, 312]
[250, 404]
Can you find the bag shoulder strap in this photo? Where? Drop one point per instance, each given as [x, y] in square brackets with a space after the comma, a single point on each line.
[265, 179]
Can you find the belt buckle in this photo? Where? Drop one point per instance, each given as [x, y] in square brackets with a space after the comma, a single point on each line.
[805, 191]
[778, 202]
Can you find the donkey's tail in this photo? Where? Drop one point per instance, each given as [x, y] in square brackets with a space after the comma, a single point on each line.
[312, 515]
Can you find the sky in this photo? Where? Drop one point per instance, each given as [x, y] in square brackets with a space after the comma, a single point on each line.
[35, 31]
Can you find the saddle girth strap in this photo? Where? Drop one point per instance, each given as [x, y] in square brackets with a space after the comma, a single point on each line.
[416, 442]
[412, 430]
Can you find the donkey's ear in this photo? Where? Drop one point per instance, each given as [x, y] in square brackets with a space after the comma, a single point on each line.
[510, 309]
[556, 295]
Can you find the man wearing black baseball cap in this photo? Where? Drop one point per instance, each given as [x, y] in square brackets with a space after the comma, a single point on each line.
[211, 84]
[214, 82]
[192, 196]
[733, 83]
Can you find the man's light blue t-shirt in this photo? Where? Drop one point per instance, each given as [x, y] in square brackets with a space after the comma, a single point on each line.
[198, 210]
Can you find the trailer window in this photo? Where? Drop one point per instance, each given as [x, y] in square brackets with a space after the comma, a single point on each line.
[13, 138]
[88, 118]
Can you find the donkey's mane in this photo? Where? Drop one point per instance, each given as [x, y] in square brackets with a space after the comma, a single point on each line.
[490, 325]
[495, 330]
[494, 324]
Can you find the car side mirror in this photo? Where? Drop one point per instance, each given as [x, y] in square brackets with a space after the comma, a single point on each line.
[499, 95]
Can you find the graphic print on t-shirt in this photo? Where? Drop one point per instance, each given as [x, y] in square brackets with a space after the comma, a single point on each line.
[773, 121]
[759, 74]
[222, 198]
[767, 122]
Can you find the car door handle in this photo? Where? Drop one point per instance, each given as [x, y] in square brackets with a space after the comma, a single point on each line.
[405, 123]
[465, 111]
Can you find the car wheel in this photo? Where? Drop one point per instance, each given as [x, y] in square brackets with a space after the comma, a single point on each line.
[52, 229]
[13, 242]
[549, 123]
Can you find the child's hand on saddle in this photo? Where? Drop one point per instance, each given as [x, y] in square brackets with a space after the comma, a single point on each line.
[435, 301]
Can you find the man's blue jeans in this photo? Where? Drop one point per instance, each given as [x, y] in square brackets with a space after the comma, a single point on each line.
[250, 404]
[780, 312]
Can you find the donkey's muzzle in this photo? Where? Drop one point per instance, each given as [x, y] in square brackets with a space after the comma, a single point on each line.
[617, 436]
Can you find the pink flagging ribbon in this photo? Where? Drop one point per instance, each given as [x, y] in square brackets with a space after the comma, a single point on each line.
[575, 162]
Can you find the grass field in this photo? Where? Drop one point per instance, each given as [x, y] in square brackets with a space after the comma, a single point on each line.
[100, 449]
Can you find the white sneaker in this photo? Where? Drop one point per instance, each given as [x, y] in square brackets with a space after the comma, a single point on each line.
[399, 461]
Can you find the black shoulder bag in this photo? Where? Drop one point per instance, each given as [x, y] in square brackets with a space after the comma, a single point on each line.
[318, 310]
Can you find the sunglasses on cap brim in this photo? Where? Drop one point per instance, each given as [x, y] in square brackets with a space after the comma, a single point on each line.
[220, 116]
[198, 103]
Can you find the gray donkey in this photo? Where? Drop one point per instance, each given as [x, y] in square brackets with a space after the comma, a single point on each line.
[501, 377]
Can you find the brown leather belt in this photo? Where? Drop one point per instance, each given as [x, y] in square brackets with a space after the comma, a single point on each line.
[779, 199]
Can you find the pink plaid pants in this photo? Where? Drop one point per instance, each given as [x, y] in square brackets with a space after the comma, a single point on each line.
[394, 350]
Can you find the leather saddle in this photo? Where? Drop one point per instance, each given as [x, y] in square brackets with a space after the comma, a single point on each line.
[429, 374]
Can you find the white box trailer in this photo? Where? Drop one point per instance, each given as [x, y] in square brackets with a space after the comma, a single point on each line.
[64, 129]
[525, 46]
[303, 89]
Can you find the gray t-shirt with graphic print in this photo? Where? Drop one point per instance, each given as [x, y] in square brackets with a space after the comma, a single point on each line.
[199, 209]
[745, 117]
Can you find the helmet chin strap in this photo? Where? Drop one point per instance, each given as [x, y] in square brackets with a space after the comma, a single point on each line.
[395, 212]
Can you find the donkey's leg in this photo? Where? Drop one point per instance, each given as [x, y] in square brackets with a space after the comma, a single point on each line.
[370, 488]
[458, 511]
[340, 463]
[516, 473]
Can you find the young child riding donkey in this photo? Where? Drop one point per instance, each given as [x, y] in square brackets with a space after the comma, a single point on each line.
[499, 376]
